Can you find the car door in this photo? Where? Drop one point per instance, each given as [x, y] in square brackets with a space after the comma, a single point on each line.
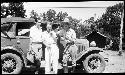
[10, 32]
[22, 36]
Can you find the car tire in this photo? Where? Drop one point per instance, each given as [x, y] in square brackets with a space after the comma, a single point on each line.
[11, 59]
[87, 61]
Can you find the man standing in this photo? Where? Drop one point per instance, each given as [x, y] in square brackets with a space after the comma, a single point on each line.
[51, 52]
[36, 44]
[53, 33]
[68, 35]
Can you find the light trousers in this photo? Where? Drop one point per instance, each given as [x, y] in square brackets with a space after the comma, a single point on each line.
[51, 57]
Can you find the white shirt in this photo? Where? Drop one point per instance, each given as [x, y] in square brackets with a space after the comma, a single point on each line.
[47, 38]
[69, 35]
[53, 34]
[35, 34]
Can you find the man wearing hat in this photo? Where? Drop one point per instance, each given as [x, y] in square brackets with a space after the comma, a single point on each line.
[68, 34]
[36, 44]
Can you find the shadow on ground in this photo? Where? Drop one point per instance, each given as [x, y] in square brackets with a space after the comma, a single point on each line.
[42, 71]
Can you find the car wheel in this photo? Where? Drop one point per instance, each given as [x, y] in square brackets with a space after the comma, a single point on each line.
[11, 63]
[94, 63]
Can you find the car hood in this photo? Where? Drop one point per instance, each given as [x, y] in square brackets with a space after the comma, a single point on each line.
[81, 41]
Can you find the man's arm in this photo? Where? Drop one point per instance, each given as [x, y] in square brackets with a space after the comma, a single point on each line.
[32, 34]
[23, 31]
[72, 37]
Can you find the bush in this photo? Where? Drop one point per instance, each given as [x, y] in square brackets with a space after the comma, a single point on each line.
[115, 45]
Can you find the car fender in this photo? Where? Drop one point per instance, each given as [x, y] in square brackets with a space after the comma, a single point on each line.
[15, 49]
[88, 51]
[94, 49]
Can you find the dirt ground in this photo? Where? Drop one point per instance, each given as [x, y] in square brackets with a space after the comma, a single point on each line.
[116, 63]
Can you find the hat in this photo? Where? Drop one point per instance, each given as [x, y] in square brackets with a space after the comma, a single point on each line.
[66, 20]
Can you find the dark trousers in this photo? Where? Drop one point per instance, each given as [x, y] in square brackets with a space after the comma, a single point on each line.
[37, 63]
[70, 51]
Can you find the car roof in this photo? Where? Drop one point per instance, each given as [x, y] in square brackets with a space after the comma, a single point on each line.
[16, 19]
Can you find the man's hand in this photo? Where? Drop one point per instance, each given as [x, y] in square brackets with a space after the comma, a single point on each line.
[62, 38]
[65, 39]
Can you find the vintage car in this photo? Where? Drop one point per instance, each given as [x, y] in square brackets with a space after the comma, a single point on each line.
[15, 42]
[14, 47]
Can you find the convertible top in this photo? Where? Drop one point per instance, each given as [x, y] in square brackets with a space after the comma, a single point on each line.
[16, 19]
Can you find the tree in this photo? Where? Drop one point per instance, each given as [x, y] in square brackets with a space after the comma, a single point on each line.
[90, 23]
[121, 34]
[50, 15]
[75, 24]
[43, 16]
[13, 9]
[4, 10]
[110, 22]
[88, 26]
[34, 15]
[16, 9]
[61, 16]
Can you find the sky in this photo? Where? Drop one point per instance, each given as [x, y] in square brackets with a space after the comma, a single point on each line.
[83, 10]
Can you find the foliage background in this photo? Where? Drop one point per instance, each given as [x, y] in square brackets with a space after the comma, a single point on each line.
[108, 24]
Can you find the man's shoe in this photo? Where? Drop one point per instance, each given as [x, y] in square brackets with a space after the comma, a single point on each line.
[65, 69]
[73, 69]
[37, 72]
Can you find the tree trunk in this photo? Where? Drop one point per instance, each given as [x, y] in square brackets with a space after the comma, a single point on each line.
[121, 28]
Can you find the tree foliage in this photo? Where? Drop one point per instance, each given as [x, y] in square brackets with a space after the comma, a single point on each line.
[74, 22]
[17, 9]
[110, 22]
[50, 15]
[34, 15]
[61, 16]
[53, 16]
[14, 9]
[4, 11]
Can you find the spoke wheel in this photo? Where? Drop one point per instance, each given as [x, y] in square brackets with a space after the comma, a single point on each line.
[94, 63]
[11, 63]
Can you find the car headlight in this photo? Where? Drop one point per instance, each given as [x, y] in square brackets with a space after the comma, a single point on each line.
[93, 43]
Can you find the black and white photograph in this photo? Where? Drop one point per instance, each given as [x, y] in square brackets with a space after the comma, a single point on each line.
[62, 37]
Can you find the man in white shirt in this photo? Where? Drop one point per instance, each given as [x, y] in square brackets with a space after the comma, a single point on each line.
[36, 43]
[68, 35]
[51, 51]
